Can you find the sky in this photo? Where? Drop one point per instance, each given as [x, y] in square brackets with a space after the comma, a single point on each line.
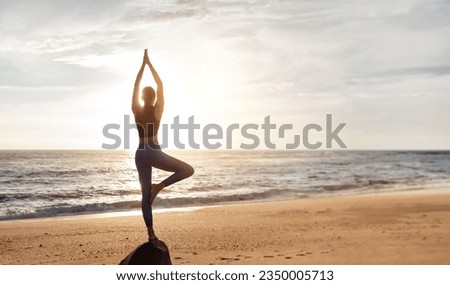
[382, 67]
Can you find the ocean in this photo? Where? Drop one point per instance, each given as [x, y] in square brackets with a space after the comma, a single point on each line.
[49, 183]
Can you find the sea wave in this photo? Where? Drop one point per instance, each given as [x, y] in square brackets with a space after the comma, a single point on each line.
[161, 202]
[54, 211]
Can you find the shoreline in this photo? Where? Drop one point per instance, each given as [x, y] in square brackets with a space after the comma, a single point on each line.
[441, 188]
[368, 229]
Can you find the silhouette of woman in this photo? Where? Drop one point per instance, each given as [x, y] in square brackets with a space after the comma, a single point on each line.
[149, 153]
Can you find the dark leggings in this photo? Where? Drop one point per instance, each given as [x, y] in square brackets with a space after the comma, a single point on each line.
[148, 156]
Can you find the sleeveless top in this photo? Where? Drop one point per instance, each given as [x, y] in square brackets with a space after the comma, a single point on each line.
[146, 122]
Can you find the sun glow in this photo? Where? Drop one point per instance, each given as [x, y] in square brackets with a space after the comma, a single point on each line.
[188, 91]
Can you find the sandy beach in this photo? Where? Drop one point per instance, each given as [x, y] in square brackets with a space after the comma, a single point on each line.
[397, 228]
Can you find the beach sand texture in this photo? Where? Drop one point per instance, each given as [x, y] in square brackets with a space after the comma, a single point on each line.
[400, 228]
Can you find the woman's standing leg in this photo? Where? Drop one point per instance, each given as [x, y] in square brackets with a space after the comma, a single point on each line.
[145, 179]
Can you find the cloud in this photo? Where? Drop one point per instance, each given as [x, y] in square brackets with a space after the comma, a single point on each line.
[399, 74]
[144, 14]
[52, 17]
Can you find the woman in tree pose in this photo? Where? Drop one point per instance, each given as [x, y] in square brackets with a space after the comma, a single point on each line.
[149, 153]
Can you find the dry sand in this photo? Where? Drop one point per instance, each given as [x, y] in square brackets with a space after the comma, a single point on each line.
[385, 229]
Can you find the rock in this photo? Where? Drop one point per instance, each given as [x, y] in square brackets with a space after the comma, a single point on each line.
[149, 253]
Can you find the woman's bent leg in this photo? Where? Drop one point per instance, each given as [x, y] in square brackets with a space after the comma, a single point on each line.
[166, 162]
[180, 168]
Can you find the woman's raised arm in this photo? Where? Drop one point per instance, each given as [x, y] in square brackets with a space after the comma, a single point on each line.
[135, 103]
[159, 105]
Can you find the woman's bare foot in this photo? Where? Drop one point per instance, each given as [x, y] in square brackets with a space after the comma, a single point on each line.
[156, 188]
